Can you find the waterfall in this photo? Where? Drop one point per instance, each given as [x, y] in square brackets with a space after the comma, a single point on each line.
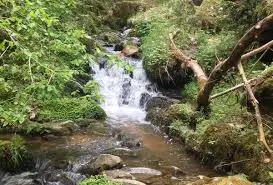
[124, 95]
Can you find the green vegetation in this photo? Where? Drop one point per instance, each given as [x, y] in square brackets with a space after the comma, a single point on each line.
[97, 180]
[70, 109]
[154, 27]
[13, 154]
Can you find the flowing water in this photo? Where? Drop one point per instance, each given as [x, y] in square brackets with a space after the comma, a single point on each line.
[58, 161]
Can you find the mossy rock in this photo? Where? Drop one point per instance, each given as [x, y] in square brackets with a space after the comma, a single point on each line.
[231, 180]
[14, 156]
[70, 109]
[164, 117]
[219, 143]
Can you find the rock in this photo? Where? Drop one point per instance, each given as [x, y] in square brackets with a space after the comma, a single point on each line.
[49, 137]
[128, 140]
[117, 174]
[126, 87]
[25, 178]
[119, 47]
[232, 180]
[65, 178]
[144, 171]
[143, 100]
[103, 162]
[123, 152]
[130, 51]
[102, 61]
[160, 102]
[128, 182]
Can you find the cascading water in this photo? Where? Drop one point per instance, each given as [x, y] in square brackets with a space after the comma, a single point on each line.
[124, 95]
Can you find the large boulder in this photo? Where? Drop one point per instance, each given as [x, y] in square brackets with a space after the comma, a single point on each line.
[101, 163]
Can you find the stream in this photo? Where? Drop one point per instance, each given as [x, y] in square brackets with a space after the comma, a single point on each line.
[125, 133]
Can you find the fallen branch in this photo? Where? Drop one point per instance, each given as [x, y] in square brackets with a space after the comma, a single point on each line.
[188, 62]
[258, 50]
[231, 163]
[222, 68]
[231, 89]
[255, 104]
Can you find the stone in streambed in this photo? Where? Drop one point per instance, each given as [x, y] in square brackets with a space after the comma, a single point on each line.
[123, 152]
[128, 182]
[231, 180]
[144, 171]
[101, 163]
[117, 174]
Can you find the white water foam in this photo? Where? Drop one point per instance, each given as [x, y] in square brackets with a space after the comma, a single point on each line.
[120, 92]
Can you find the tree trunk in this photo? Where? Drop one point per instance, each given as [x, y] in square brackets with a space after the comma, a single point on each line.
[222, 68]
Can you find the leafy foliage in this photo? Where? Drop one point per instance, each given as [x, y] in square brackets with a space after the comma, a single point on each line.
[40, 52]
[97, 180]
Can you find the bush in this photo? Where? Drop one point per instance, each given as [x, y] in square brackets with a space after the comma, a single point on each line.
[14, 155]
[97, 180]
[70, 109]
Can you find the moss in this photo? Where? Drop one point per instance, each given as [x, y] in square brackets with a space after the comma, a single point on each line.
[70, 109]
[14, 155]
[97, 180]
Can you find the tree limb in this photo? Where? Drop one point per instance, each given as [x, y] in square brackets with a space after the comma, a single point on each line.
[222, 68]
[255, 104]
[188, 62]
[258, 50]
[231, 89]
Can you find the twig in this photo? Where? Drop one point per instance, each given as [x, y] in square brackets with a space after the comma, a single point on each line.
[228, 164]
[255, 104]
[166, 70]
[4, 52]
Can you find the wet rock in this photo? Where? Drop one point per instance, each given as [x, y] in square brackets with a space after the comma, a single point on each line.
[123, 152]
[80, 80]
[151, 88]
[144, 171]
[129, 141]
[61, 128]
[57, 164]
[102, 61]
[49, 137]
[126, 86]
[26, 178]
[103, 162]
[119, 46]
[117, 174]
[130, 51]
[128, 182]
[175, 171]
[232, 180]
[65, 178]
[160, 102]
[143, 100]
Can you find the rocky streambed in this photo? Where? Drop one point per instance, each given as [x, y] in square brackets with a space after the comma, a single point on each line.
[135, 154]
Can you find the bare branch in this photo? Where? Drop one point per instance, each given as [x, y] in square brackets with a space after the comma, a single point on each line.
[258, 50]
[255, 104]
